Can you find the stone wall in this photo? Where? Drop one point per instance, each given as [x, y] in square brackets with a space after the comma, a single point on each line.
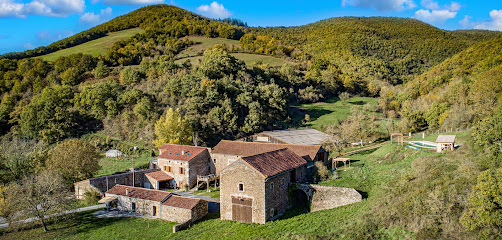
[325, 197]
[221, 161]
[174, 214]
[103, 184]
[277, 197]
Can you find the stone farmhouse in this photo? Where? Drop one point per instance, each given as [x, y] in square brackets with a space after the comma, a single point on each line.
[180, 165]
[255, 188]
[227, 152]
[156, 204]
[307, 136]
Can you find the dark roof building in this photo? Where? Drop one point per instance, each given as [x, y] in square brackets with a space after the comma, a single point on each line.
[275, 162]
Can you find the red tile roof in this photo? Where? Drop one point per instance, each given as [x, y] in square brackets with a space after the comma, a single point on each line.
[252, 148]
[159, 176]
[175, 152]
[275, 162]
[181, 202]
[140, 193]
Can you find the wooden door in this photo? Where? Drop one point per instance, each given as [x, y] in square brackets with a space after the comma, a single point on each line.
[242, 209]
[320, 157]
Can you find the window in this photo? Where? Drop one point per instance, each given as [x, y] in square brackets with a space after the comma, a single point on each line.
[182, 170]
[133, 206]
[169, 169]
[214, 160]
[165, 168]
[241, 187]
[272, 212]
[272, 186]
[154, 210]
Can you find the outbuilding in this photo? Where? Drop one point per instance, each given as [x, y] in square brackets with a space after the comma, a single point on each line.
[445, 142]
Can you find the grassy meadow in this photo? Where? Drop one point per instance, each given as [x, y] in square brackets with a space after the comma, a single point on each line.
[95, 47]
[330, 112]
[203, 43]
[248, 58]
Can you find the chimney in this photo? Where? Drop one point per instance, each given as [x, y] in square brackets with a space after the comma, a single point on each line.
[182, 152]
[127, 191]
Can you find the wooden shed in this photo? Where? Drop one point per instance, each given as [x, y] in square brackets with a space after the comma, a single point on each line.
[445, 142]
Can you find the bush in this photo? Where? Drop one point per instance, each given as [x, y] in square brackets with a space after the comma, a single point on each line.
[92, 197]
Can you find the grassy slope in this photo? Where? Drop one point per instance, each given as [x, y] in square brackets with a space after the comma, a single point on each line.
[331, 111]
[95, 47]
[372, 172]
[202, 43]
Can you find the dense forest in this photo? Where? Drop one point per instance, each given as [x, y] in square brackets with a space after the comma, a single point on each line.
[424, 78]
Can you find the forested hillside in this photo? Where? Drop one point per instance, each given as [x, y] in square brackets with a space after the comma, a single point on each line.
[459, 92]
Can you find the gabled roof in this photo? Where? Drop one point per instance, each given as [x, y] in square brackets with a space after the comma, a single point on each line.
[299, 136]
[180, 152]
[140, 193]
[181, 202]
[446, 139]
[252, 148]
[159, 176]
[274, 162]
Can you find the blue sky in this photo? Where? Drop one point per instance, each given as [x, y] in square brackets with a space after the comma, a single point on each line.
[26, 24]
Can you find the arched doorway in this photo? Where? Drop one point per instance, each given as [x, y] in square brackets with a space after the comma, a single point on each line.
[301, 200]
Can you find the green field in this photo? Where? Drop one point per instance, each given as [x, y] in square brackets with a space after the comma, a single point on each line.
[194, 52]
[95, 47]
[203, 43]
[330, 112]
[112, 165]
[371, 174]
[248, 58]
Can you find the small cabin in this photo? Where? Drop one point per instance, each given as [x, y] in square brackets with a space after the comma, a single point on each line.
[445, 142]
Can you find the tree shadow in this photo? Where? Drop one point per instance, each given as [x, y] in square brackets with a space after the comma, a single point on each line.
[359, 103]
[363, 194]
[293, 212]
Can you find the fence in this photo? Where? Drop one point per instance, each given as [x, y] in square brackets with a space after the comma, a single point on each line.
[424, 134]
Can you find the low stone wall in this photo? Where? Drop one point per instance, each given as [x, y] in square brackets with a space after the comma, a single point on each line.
[104, 183]
[325, 197]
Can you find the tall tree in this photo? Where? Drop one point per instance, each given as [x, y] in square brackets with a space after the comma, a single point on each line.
[40, 195]
[74, 159]
[172, 128]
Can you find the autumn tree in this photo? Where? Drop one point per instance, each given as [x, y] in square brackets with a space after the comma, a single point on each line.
[359, 126]
[40, 195]
[74, 159]
[172, 128]
[485, 205]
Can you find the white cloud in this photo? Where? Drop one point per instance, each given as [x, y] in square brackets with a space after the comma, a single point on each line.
[430, 4]
[53, 8]
[436, 14]
[132, 2]
[466, 22]
[214, 10]
[91, 19]
[495, 22]
[381, 5]
[28, 46]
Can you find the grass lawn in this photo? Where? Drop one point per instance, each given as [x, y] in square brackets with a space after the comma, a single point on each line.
[371, 173]
[95, 47]
[215, 193]
[331, 111]
[113, 165]
[203, 43]
[248, 58]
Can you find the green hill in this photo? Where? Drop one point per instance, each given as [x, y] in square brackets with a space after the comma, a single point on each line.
[377, 48]
[456, 93]
[94, 47]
